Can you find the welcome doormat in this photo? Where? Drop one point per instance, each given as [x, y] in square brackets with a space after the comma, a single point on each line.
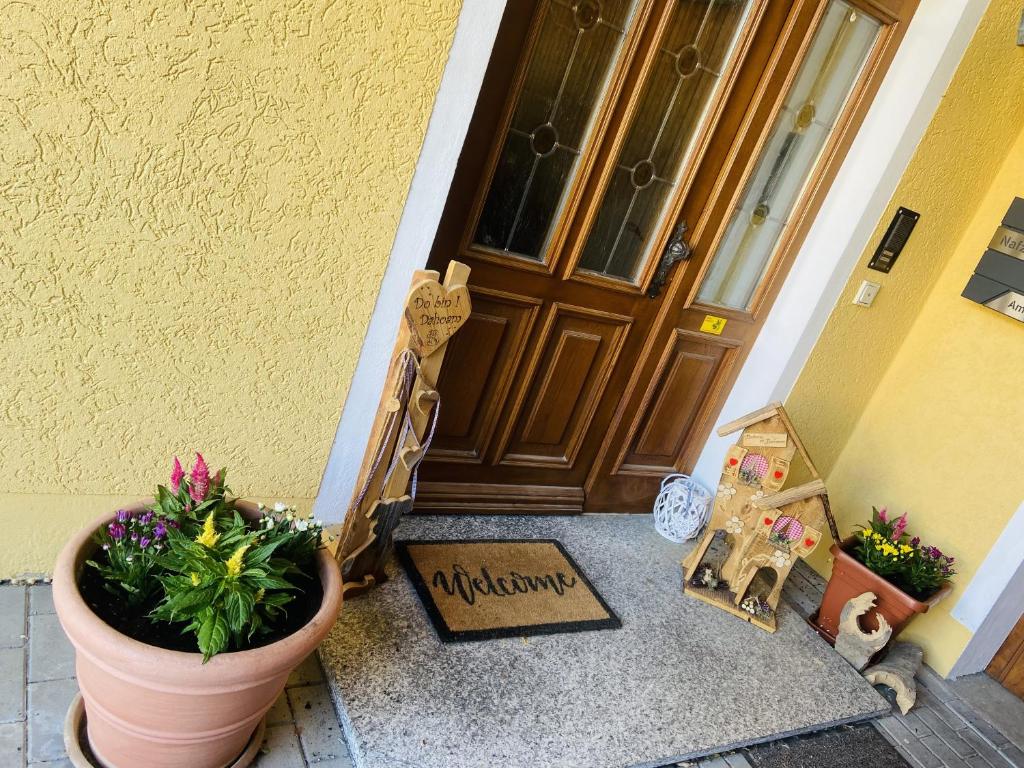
[478, 589]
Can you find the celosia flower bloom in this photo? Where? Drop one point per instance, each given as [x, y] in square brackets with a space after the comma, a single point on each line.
[209, 536]
[200, 478]
[234, 563]
[177, 473]
[123, 515]
[116, 531]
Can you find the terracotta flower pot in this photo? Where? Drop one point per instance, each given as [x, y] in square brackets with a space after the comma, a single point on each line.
[148, 706]
[851, 578]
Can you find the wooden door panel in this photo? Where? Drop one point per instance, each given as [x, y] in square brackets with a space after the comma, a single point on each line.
[1007, 666]
[482, 355]
[567, 377]
[581, 389]
[686, 372]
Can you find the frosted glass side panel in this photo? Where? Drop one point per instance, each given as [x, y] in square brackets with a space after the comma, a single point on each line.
[840, 47]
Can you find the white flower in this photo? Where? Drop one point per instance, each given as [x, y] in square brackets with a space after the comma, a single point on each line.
[733, 525]
[780, 559]
[726, 489]
[279, 506]
[261, 506]
[301, 525]
[758, 495]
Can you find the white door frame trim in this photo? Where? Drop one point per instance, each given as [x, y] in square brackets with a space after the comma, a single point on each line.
[896, 121]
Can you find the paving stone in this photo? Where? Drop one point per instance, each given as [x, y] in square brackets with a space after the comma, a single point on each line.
[280, 749]
[61, 763]
[308, 672]
[1013, 754]
[907, 743]
[941, 750]
[48, 703]
[51, 655]
[317, 724]
[12, 744]
[737, 760]
[40, 599]
[984, 747]
[955, 741]
[12, 684]
[979, 723]
[714, 762]
[12, 616]
[280, 713]
[914, 723]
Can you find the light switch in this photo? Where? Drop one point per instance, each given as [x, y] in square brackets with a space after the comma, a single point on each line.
[866, 293]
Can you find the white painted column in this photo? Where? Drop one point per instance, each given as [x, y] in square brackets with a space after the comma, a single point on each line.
[463, 76]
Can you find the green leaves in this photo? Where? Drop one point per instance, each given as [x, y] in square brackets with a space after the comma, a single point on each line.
[225, 609]
[212, 635]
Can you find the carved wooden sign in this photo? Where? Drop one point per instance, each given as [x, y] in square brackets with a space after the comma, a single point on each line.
[433, 314]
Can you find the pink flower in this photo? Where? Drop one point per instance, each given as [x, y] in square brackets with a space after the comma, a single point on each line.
[899, 527]
[883, 514]
[200, 479]
[176, 474]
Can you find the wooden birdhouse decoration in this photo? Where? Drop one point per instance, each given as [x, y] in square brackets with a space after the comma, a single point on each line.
[758, 528]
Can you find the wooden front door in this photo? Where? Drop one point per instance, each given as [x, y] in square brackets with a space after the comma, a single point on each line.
[1007, 667]
[634, 181]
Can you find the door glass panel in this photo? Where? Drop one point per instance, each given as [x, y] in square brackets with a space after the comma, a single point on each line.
[837, 54]
[685, 79]
[566, 76]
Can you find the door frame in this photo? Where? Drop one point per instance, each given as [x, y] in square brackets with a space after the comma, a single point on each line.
[897, 118]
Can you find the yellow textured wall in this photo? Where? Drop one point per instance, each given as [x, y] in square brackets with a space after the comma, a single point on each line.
[973, 128]
[916, 403]
[197, 202]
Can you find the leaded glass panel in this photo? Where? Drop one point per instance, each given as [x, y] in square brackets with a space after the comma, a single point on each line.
[567, 74]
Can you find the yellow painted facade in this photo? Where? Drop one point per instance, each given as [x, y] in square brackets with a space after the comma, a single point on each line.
[197, 206]
[917, 403]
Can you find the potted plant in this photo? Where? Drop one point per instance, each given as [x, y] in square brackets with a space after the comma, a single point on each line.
[906, 577]
[187, 615]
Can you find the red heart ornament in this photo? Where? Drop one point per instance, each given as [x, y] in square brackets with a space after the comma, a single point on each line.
[778, 473]
[733, 462]
[767, 521]
[808, 542]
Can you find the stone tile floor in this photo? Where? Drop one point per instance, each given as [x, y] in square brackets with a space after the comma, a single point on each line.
[945, 729]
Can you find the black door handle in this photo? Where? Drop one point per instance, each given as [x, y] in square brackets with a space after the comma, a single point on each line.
[677, 249]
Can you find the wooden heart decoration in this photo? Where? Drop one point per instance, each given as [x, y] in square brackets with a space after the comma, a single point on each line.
[433, 314]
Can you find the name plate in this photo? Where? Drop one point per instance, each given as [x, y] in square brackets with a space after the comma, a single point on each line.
[1008, 241]
[1010, 304]
[765, 440]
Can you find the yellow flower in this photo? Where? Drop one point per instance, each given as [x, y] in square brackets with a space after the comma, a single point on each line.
[209, 536]
[259, 594]
[234, 563]
[195, 579]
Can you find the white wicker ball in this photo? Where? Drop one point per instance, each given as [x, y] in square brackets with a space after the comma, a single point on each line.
[682, 508]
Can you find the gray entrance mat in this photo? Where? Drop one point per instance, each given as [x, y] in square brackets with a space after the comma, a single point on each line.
[859, 745]
[680, 680]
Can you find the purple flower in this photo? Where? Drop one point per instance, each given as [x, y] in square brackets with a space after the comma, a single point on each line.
[134, 536]
[123, 515]
[915, 542]
[159, 530]
[116, 531]
[146, 518]
[177, 473]
[200, 478]
[174, 524]
[145, 541]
